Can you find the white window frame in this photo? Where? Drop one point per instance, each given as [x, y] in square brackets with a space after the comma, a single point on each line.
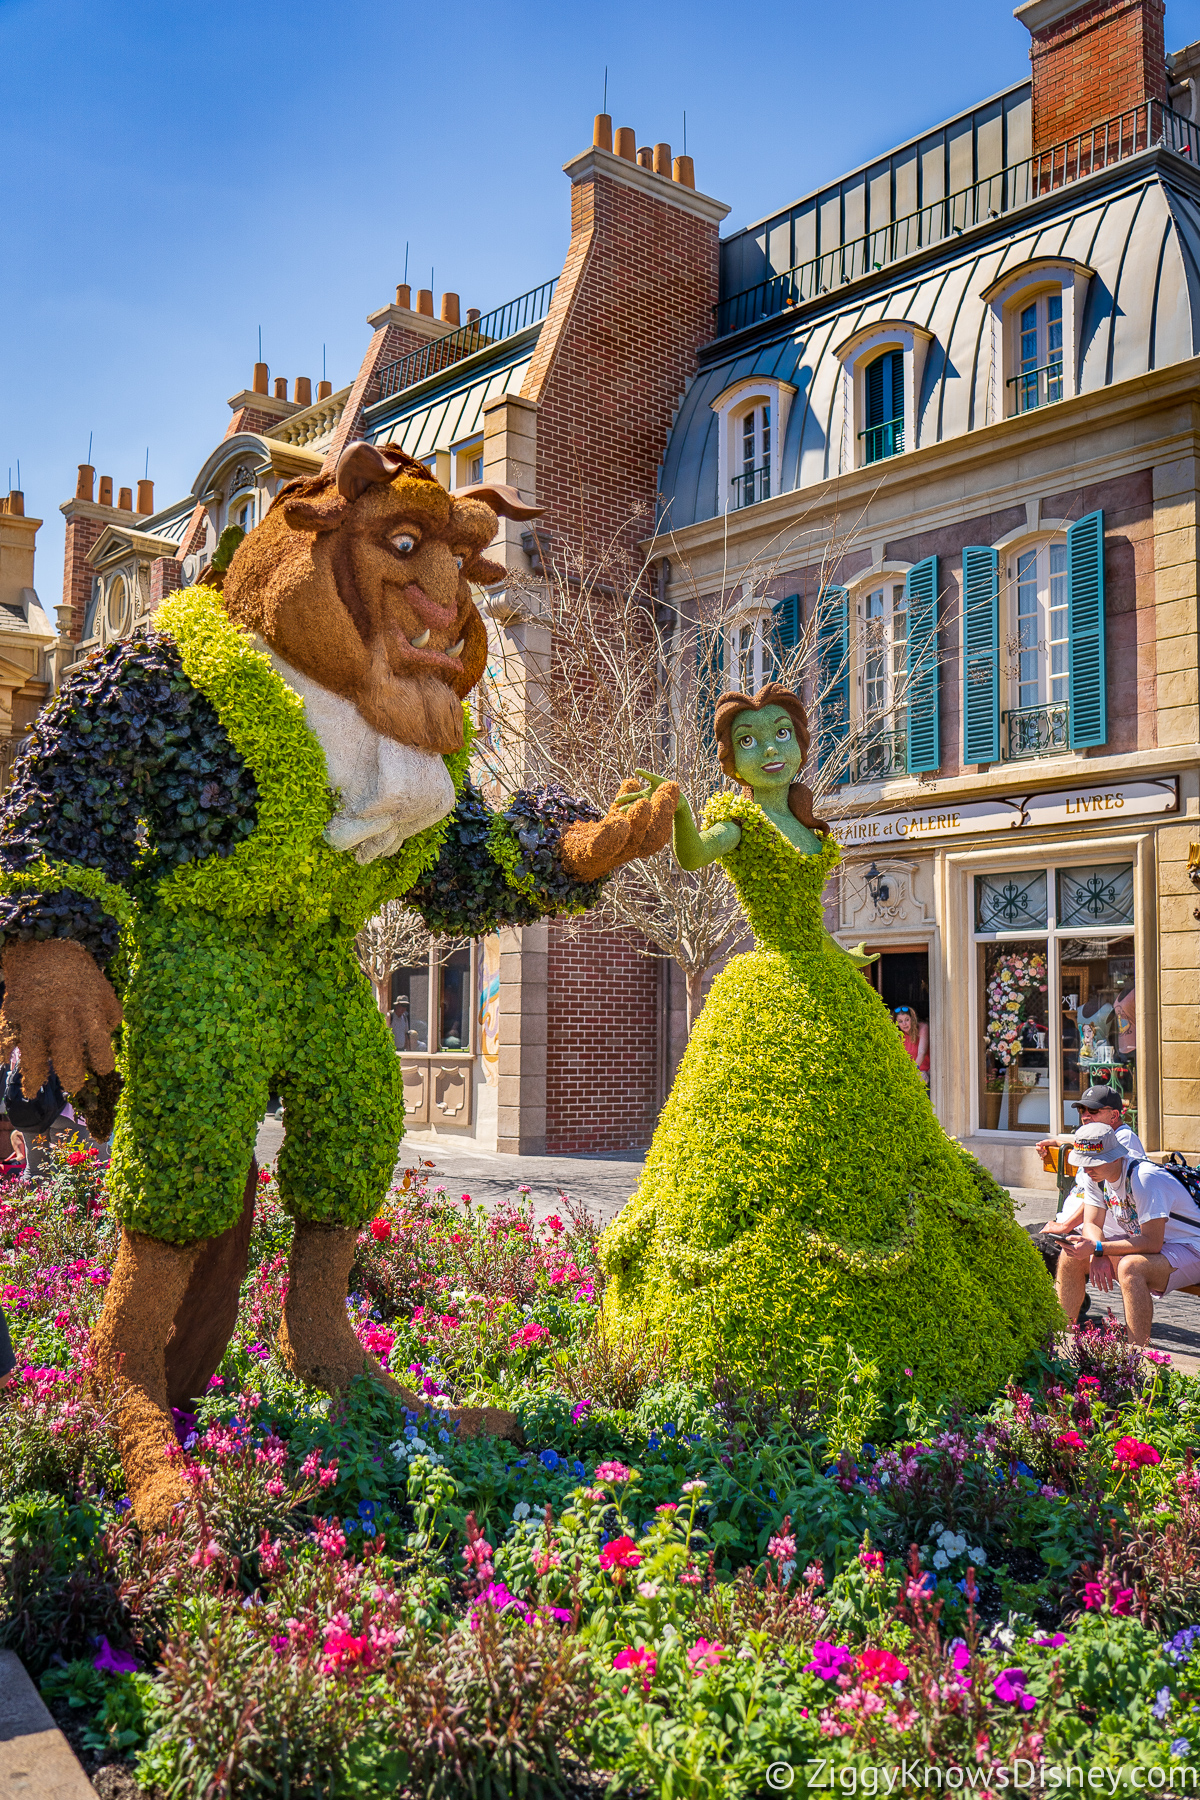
[241, 500]
[730, 408]
[748, 662]
[462, 456]
[1006, 299]
[1010, 549]
[884, 575]
[854, 354]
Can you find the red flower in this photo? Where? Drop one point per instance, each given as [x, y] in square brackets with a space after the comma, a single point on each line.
[381, 1230]
[881, 1665]
[1134, 1453]
[643, 1662]
[1070, 1440]
[264, 1175]
[622, 1553]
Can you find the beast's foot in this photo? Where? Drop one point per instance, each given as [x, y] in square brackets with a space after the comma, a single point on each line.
[149, 1281]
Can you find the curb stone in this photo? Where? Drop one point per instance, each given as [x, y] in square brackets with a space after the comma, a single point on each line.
[35, 1759]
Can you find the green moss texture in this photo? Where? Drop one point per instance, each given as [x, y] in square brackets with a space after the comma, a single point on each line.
[799, 1186]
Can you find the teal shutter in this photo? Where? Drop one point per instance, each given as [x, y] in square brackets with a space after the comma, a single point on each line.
[785, 629]
[924, 742]
[833, 679]
[1085, 626]
[710, 672]
[981, 654]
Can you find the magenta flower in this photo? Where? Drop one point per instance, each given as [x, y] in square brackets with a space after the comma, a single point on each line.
[113, 1662]
[643, 1662]
[704, 1655]
[1009, 1687]
[622, 1553]
[612, 1471]
[1135, 1454]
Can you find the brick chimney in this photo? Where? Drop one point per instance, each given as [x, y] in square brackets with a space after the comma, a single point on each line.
[1091, 63]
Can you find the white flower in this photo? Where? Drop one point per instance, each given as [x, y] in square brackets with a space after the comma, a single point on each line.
[745, 1654]
[978, 1555]
[935, 1531]
[884, 1479]
[521, 1509]
[443, 1401]
[787, 1570]
[940, 1559]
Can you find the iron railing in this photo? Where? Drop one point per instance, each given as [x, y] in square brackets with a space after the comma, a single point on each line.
[1037, 387]
[477, 334]
[1037, 730]
[751, 485]
[878, 752]
[883, 440]
[1146, 127]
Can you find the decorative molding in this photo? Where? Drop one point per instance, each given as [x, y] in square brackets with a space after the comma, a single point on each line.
[595, 162]
[727, 407]
[902, 906]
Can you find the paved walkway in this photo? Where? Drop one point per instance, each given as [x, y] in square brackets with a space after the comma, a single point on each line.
[603, 1184]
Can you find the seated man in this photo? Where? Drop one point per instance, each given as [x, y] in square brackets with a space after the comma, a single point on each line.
[1099, 1105]
[1143, 1232]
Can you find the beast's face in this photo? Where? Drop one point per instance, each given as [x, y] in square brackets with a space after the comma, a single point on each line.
[362, 581]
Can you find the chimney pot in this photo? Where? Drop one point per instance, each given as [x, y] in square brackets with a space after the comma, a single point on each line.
[425, 301]
[281, 387]
[324, 389]
[645, 157]
[404, 296]
[450, 309]
[303, 394]
[125, 502]
[625, 143]
[106, 490]
[145, 496]
[684, 172]
[16, 503]
[85, 482]
[261, 378]
[602, 132]
[662, 159]
[472, 315]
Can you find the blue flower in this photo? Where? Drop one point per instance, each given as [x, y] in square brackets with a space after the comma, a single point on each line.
[1024, 1469]
[771, 1494]
[1179, 1747]
[444, 1435]
[1162, 1703]
[410, 1431]
[549, 1459]
[579, 1469]
[366, 1509]
[653, 1441]
[670, 1430]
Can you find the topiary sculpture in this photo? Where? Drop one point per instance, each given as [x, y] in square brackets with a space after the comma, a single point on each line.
[203, 819]
[798, 1186]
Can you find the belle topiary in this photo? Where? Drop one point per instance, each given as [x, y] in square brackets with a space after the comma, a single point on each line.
[799, 1186]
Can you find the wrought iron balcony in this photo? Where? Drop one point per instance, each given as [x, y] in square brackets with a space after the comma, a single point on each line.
[878, 753]
[751, 485]
[1037, 387]
[883, 440]
[477, 334]
[1037, 730]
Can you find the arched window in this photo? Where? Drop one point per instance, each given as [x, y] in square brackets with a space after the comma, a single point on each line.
[1039, 661]
[883, 407]
[752, 418]
[752, 434]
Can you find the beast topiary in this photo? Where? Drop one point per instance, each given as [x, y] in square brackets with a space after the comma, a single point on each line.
[799, 1186]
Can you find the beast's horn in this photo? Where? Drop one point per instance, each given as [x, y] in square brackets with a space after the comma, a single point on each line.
[361, 465]
[504, 500]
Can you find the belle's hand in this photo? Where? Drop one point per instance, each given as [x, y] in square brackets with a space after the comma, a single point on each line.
[638, 823]
[631, 792]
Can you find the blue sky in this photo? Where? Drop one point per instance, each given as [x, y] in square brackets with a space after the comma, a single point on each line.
[177, 175]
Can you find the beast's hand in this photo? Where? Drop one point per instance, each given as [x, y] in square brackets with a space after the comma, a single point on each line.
[636, 824]
[59, 1008]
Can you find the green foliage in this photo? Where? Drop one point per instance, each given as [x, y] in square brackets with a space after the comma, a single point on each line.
[60, 1581]
[793, 1193]
[227, 544]
[121, 1706]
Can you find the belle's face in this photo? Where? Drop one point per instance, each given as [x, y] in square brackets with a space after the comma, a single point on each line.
[765, 751]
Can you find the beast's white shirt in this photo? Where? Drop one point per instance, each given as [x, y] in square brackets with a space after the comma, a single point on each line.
[389, 791]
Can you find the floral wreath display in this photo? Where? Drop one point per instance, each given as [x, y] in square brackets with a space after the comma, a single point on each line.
[1017, 977]
[174, 902]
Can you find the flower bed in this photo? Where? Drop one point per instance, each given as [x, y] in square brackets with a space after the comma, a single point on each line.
[675, 1589]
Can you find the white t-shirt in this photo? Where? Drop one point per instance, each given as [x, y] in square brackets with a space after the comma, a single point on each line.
[1085, 1188]
[1144, 1192]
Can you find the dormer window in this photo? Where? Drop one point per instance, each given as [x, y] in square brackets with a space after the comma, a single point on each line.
[1038, 380]
[752, 418]
[883, 407]
[1037, 332]
[882, 366]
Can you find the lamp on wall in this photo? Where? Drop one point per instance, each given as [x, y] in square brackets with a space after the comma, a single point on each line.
[877, 887]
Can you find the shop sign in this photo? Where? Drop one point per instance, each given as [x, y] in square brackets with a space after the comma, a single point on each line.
[1064, 806]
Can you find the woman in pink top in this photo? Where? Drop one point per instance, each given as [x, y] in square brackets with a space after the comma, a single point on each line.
[914, 1034]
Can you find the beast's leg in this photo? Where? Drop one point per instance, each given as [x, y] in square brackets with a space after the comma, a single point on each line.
[345, 1117]
[130, 1340]
[208, 1313]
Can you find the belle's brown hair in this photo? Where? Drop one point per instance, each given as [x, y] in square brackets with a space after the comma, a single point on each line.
[800, 800]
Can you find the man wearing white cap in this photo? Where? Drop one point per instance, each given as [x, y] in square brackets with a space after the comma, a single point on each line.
[1145, 1235]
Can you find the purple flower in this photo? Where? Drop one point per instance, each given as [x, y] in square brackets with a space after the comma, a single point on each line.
[113, 1662]
[577, 1412]
[827, 1660]
[1009, 1686]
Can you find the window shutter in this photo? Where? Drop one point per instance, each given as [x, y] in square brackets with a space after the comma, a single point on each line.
[833, 678]
[875, 414]
[1085, 626]
[981, 654]
[785, 628]
[924, 744]
[895, 361]
[710, 673]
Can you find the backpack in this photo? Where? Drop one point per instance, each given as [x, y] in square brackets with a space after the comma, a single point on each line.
[1177, 1166]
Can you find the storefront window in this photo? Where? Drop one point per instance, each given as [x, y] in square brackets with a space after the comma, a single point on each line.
[410, 1007]
[1099, 1033]
[1015, 1065]
[454, 1000]
[1050, 932]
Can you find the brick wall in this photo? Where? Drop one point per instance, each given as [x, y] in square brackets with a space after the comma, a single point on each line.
[390, 342]
[78, 573]
[166, 576]
[602, 1042]
[1094, 63]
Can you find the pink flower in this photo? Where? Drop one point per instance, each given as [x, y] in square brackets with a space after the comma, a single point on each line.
[622, 1553]
[555, 1224]
[1070, 1440]
[331, 1539]
[881, 1665]
[871, 1561]
[62, 1318]
[528, 1334]
[1157, 1356]
[1009, 1687]
[782, 1547]
[642, 1661]
[328, 1476]
[612, 1471]
[704, 1655]
[343, 1650]
[381, 1230]
[1134, 1453]
[1087, 1381]
[270, 1554]
[668, 1506]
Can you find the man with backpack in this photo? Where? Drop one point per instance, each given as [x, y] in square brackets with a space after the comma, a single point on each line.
[1143, 1232]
